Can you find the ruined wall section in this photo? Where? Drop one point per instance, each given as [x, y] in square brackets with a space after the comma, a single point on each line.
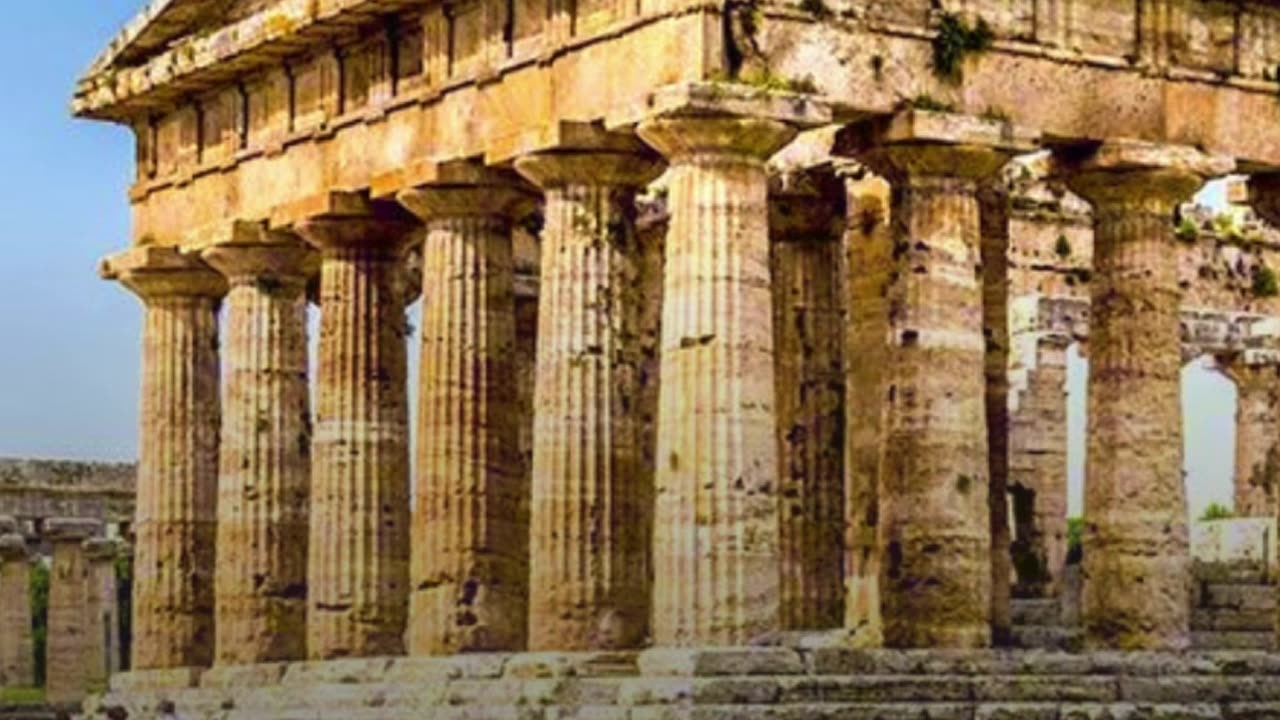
[34, 490]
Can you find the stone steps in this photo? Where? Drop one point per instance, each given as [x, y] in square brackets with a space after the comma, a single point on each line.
[1036, 612]
[773, 683]
[1237, 596]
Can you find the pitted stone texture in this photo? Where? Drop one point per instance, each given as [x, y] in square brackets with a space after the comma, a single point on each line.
[1257, 465]
[469, 567]
[592, 490]
[102, 650]
[260, 582]
[17, 661]
[807, 248]
[729, 685]
[870, 266]
[1136, 568]
[70, 635]
[358, 548]
[933, 503]
[178, 467]
[716, 534]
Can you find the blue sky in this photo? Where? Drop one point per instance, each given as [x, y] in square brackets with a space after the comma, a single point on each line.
[69, 342]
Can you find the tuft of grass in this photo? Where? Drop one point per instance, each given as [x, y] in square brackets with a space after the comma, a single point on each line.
[1265, 284]
[21, 696]
[1216, 511]
[955, 41]
[1188, 231]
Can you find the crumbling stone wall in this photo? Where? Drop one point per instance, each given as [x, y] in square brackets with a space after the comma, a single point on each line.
[34, 490]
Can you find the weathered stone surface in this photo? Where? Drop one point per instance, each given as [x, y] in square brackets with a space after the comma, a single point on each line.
[469, 568]
[933, 499]
[806, 228]
[39, 489]
[358, 547]
[260, 584]
[716, 528]
[178, 467]
[70, 636]
[17, 660]
[1257, 466]
[592, 489]
[102, 651]
[1136, 572]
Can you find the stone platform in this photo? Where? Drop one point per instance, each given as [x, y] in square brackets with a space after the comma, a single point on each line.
[777, 683]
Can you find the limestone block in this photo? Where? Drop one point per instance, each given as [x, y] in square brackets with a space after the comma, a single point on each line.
[358, 542]
[177, 471]
[1236, 549]
[260, 585]
[592, 490]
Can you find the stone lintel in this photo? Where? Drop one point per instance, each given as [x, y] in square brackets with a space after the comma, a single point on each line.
[463, 189]
[1158, 171]
[99, 548]
[151, 271]
[60, 530]
[13, 547]
[726, 99]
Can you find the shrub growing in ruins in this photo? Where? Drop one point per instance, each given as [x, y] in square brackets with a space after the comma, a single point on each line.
[1216, 511]
[955, 41]
[1265, 284]
[1188, 231]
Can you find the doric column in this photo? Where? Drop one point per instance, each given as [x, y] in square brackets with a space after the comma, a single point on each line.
[716, 530]
[101, 612]
[591, 495]
[1038, 462]
[806, 213]
[469, 568]
[17, 661]
[1136, 567]
[358, 545]
[260, 585]
[1257, 433]
[870, 245]
[178, 464]
[933, 504]
[70, 638]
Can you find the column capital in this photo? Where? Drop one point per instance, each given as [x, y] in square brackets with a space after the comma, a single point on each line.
[680, 137]
[924, 143]
[552, 170]
[246, 251]
[468, 189]
[335, 220]
[152, 272]
[75, 530]
[1127, 171]
[100, 548]
[1264, 196]
[13, 547]
[806, 204]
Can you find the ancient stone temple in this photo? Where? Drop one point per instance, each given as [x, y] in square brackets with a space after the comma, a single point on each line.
[729, 357]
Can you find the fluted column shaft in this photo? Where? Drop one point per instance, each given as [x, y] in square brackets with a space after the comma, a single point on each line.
[469, 568]
[1257, 434]
[591, 495]
[716, 527]
[101, 612]
[1136, 555]
[265, 466]
[178, 464]
[17, 663]
[358, 547]
[809, 326]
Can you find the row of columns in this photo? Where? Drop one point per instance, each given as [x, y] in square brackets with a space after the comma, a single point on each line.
[597, 553]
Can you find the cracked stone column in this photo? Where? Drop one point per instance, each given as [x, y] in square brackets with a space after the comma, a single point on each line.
[469, 568]
[933, 508]
[101, 616]
[70, 637]
[591, 494]
[717, 543]
[178, 458]
[806, 225]
[260, 585]
[1136, 565]
[358, 546]
[17, 661]
[1257, 433]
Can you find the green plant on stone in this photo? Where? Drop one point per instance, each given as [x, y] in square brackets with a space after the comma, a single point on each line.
[1075, 539]
[1216, 511]
[955, 41]
[1188, 231]
[1265, 284]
